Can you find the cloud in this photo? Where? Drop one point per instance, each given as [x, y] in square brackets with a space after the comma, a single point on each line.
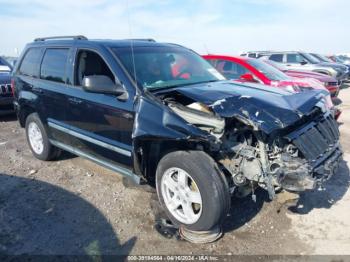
[220, 26]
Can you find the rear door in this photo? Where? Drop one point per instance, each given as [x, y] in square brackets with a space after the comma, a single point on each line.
[52, 88]
[24, 75]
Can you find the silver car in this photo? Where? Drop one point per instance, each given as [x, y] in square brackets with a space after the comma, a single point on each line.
[304, 61]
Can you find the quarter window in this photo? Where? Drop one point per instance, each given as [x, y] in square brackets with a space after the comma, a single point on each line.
[53, 67]
[29, 65]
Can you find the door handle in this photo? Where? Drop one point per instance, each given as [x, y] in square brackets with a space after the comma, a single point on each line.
[74, 100]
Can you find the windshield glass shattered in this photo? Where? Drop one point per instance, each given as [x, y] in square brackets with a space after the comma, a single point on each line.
[165, 67]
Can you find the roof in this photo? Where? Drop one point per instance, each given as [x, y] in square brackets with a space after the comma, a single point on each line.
[70, 40]
[229, 57]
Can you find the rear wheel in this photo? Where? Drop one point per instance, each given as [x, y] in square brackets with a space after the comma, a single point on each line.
[191, 189]
[38, 140]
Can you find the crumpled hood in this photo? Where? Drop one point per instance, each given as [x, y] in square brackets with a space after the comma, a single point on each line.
[264, 107]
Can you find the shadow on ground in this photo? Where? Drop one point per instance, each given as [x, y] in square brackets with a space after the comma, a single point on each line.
[40, 218]
[244, 209]
[333, 190]
[8, 118]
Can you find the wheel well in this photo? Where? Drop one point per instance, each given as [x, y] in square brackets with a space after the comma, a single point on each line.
[149, 153]
[23, 114]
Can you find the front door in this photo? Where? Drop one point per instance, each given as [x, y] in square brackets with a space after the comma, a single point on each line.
[100, 124]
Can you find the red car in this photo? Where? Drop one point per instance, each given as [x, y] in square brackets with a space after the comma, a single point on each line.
[245, 69]
[329, 82]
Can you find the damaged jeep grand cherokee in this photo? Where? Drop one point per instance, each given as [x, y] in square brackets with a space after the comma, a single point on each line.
[160, 114]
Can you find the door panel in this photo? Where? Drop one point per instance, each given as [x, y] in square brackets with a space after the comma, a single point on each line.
[52, 106]
[103, 126]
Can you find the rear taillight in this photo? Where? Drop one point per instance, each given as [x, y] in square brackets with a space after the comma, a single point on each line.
[13, 86]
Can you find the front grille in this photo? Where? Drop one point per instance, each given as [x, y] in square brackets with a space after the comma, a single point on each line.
[317, 139]
[5, 89]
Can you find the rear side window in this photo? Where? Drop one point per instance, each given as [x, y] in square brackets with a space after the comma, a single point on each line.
[53, 67]
[277, 58]
[230, 69]
[29, 66]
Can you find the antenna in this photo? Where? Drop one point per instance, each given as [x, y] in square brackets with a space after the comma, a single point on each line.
[131, 41]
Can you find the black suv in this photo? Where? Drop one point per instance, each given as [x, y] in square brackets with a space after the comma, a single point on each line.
[160, 114]
[6, 96]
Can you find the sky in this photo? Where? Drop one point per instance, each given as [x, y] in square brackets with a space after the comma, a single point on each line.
[207, 26]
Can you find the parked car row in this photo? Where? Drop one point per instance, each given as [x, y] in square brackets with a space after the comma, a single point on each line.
[304, 61]
[6, 95]
[160, 114]
[267, 72]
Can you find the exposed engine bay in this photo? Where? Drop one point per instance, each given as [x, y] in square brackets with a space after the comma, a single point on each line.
[295, 158]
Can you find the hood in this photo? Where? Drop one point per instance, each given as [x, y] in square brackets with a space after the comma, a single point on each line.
[5, 78]
[266, 108]
[303, 74]
[333, 65]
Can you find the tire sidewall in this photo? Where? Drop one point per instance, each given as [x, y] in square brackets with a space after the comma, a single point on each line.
[209, 182]
[45, 155]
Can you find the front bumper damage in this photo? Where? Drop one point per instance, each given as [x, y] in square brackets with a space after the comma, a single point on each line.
[301, 179]
[319, 143]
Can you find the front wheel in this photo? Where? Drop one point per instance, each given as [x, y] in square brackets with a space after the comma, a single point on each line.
[192, 190]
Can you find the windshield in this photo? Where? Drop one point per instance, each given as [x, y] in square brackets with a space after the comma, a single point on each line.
[311, 59]
[163, 67]
[342, 59]
[269, 71]
[322, 58]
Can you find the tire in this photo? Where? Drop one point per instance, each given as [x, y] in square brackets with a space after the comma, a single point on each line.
[203, 177]
[41, 148]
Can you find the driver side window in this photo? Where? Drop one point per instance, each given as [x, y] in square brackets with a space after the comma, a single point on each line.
[89, 63]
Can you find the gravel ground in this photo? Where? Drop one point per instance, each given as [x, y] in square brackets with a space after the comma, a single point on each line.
[72, 206]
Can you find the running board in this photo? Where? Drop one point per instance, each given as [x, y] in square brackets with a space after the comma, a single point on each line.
[123, 171]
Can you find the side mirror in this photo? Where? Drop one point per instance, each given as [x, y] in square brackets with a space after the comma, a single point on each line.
[248, 77]
[102, 84]
[303, 62]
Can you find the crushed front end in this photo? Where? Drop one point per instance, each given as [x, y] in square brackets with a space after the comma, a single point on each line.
[296, 161]
[269, 140]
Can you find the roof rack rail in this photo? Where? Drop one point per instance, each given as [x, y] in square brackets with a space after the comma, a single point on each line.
[142, 39]
[74, 37]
